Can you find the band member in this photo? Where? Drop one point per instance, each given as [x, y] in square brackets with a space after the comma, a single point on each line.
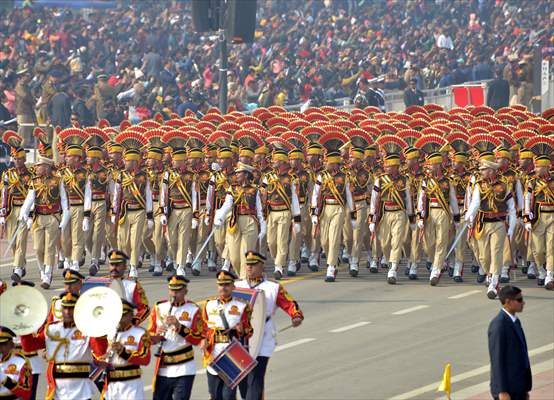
[330, 198]
[224, 318]
[14, 186]
[539, 208]
[252, 388]
[179, 202]
[97, 189]
[132, 289]
[132, 201]
[246, 227]
[15, 369]
[128, 352]
[281, 198]
[69, 355]
[48, 198]
[175, 326]
[72, 283]
[491, 204]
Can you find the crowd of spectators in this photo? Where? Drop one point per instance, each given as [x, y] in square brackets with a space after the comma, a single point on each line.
[62, 66]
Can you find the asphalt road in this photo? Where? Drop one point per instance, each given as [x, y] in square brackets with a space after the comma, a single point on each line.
[365, 339]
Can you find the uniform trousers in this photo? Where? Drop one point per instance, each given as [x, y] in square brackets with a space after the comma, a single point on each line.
[542, 237]
[491, 244]
[391, 233]
[437, 235]
[278, 233]
[178, 388]
[179, 227]
[331, 225]
[130, 234]
[45, 238]
[219, 390]
[19, 247]
[252, 387]
[243, 238]
[96, 235]
[73, 237]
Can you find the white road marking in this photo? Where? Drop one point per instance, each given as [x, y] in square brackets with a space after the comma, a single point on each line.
[484, 387]
[294, 344]
[348, 327]
[461, 377]
[409, 310]
[465, 294]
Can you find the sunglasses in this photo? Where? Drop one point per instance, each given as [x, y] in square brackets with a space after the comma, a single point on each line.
[519, 299]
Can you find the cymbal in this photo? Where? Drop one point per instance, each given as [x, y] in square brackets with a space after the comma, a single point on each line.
[23, 309]
[98, 312]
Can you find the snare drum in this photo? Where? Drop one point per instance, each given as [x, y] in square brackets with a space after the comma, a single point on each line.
[233, 364]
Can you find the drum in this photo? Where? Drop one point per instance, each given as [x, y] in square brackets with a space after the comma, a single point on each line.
[256, 299]
[233, 364]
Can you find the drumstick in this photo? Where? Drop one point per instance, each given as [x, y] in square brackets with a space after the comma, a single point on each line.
[285, 328]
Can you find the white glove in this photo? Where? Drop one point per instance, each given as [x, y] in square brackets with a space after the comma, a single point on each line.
[86, 224]
[2, 220]
[315, 220]
[263, 230]
[296, 227]
[29, 222]
[413, 227]
[206, 221]
[372, 227]
[528, 227]
[218, 221]
[194, 223]
[150, 224]
[65, 220]
[112, 219]
[163, 220]
[420, 224]
[216, 167]
[354, 223]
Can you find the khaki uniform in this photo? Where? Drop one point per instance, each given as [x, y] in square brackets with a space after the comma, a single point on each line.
[460, 183]
[360, 184]
[375, 244]
[219, 185]
[111, 231]
[199, 235]
[315, 237]
[413, 245]
[14, 186]
[299, 241]
[96, 195]
[154, 241]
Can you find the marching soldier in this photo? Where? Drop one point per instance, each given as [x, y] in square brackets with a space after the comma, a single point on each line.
[14, 186]
[539, 208]
[69, 354]
[74, 177]
[246, 227]
[178, 200]
[252, 388]
[97, 189]
[298, 251]
[114, 165]
[225, 318]
[331, 195]
[491, 204]
[202, 178]
[314, 155]
[15, 369]
[261, 163]
[48, 199]
[374, 167]
[132, 201]
[391, 207]
[153, 241]
[131, 350]
[175, 326]
[415, 177]
[72, 283]
[437, 208]
[281, 199]
[131, 288]
[525, 172]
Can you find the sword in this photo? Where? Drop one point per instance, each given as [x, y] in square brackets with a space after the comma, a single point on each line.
[203, 246]
[458, 237]
[19, 227]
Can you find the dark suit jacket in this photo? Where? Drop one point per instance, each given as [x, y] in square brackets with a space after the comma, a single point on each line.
[510, 368]
[498, 95]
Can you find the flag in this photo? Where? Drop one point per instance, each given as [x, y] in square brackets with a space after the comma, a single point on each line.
[445, 385]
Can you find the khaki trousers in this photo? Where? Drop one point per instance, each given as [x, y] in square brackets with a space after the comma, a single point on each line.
[304, 235]
[391, 234]
[45, 238]
[461, 246]
[244, 238]
[180, 230]
[542, 238]
[19, 247]
[130, 234]
[413, 246]
[198, 237]
[347, 233]
[437, 236]
[73, 237]
[360, 234]
[491, 245]
[278, 233]
[331, 222]
[111, 236]
[219, 237]
[96, 235]
[154, 242]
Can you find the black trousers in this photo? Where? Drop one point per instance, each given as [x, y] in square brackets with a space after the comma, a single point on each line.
[513, 396]
[178, 388]
[34, 386]
[219, 390]
[252, 387]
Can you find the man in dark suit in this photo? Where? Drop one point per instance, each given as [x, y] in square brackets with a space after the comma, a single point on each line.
[498, 95]
[412, 95]
[510, 367]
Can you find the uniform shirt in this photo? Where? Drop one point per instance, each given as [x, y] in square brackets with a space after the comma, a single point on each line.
[134, 293]
[237, 313]
[97, 186]
[46, 194]
[14, 186]
[539, 195]
[332, 187]
[133, 189]
[393, 190]
[189, 316]
[437, 190]
[178, 190]
[17, 371]
[67, 345]
[281, 190]
[75, 181]
[275, 297]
